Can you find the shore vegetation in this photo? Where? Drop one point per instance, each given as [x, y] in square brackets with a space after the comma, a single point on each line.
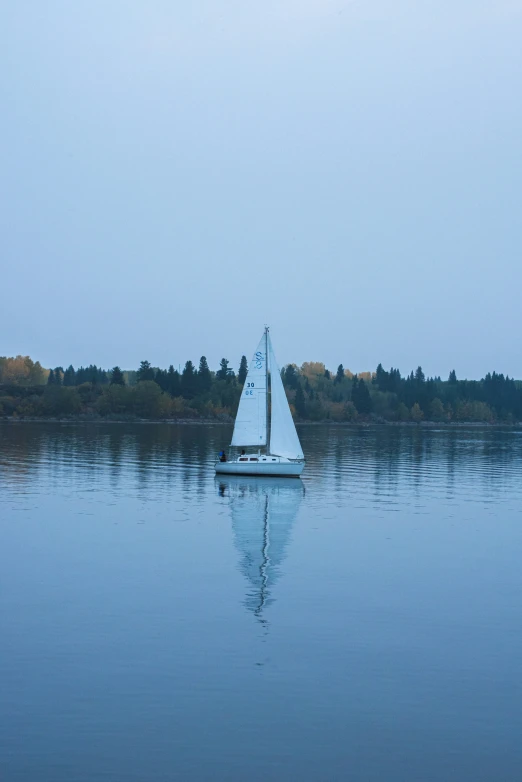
[315, 393]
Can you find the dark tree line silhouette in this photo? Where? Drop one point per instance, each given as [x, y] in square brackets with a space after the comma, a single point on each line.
[314, 393]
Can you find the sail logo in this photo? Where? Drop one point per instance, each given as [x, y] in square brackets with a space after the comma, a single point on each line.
[258, 360]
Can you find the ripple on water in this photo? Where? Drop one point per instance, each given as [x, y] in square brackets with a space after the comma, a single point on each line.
[162, 623]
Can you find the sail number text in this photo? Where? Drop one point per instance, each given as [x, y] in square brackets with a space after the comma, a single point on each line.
[249, 391]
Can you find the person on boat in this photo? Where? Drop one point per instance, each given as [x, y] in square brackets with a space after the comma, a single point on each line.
[222, 456]
[242, 452]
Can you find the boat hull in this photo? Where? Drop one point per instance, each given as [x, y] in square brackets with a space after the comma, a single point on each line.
[282, 468]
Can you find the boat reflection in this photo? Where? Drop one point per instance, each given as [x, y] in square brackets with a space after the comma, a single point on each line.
[263, 511]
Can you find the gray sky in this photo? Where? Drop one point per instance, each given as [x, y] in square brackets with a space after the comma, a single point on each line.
[176, 174]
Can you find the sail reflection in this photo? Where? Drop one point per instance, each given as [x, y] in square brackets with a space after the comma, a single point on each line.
[263, 511]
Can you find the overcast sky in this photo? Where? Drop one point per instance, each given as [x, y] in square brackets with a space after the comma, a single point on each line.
[176, 174]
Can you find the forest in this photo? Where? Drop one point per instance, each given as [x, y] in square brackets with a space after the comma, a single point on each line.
[28, 391]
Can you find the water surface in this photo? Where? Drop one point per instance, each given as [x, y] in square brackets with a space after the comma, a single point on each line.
[160, 624]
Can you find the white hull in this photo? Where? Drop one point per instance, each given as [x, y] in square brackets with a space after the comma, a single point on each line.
[269, 466]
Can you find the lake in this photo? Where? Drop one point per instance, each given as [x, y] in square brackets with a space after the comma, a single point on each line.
[160, 624]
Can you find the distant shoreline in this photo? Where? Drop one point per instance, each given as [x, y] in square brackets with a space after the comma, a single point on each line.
[215, 422]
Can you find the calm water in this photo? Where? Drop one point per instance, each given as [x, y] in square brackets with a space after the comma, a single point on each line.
[159, 624]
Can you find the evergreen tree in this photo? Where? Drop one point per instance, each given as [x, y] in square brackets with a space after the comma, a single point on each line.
[393, 381]
[204, 376]
[327, 374]
[452, 377]
[145, 372]
[58, 376]
[419, 376]
[188, 381]
[365, 400]
[50, 379]
[69, 376]
[223, 372]
[173, 382]
[117, 378]
[161, 378]
[409, 391]
[243, 370]
[339, 375]
[380, 378]
[361, 397]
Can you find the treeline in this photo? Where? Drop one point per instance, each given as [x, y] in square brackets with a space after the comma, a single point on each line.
[314, 393]
[23, 371]
[148, 392]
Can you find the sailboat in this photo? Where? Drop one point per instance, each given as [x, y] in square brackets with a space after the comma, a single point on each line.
[264, 421]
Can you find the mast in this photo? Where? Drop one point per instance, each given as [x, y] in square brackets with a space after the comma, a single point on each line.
[267, 406]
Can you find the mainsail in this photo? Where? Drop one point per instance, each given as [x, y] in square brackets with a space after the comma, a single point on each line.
[283, 436]
[251, 425]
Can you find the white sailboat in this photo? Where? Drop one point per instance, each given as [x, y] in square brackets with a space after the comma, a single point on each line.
[264, 421]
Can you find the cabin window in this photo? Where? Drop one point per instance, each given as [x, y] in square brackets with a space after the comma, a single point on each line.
[254, 459]
[274, 460]
[243, 459]
[263, 459]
